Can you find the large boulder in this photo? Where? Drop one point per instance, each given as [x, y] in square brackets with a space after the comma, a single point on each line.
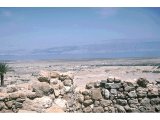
[42, 88]
[96, 94]
[43, 73]
[153, 91]
[90, 85]
[38, 104]
[12, 89]
[142, 82]
[155, 101]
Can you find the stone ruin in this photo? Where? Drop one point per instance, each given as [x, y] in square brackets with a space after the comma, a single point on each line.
[56, 92]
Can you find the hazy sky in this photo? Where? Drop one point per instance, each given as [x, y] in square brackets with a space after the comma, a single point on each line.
[83, 32]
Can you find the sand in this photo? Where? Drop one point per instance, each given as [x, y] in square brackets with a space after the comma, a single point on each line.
[84, 70]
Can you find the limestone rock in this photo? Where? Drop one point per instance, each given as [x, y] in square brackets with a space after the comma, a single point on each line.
[53, 81]
[98, 109]
[54, 109]
[106, 93]
[96, 94]
[42, 88]
[60, 102]
[11, 89]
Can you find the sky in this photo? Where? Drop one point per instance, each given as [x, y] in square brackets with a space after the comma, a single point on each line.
[57, 33]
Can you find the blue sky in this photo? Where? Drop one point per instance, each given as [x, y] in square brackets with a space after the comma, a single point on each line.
[27, 33]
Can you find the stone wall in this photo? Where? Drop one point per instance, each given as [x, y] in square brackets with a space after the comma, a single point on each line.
[115, 96]
[56, 92]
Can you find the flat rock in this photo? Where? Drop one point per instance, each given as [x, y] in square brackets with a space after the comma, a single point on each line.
[96, 94]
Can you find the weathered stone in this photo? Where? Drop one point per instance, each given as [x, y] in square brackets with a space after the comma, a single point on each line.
[134, 105]
[120, 109]
[127, 108]
[105, 103]
[142, 82]
[60, 102]
[9, 104]
[121, 96]
[110, 80]
[106, 109]
[18, 105]
[80, 98]
[38, 104]
[56, 93]
[11, 89]
[153, 92]
[87, 109]
[145, 102]
[113, 85]
[103, 83]
[67, 82]
[155, 101]
[87, 102]
[52, 96]
[106, 93]
[117, 80]
[96, 94]
[33, 95]
[2, 105]
[96, 103]
[67, 89]
[141, 92]
[54, 109]
[86, 92]
[13, 96]
[114, 92]
[157, 108]
[129, 88]
[43, 88]
[122, 102]
[89, 85]
[64, 77]
[133, 101]
[43, 79]
[98, 109]
[87, 97]
[54, 74]
[53, 81]
[132, 94]
[21, 100]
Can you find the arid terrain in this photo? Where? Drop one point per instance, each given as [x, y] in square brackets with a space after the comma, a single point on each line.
[106, 85]
[85, 71]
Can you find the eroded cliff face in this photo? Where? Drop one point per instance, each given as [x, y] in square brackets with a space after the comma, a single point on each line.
[56, 92]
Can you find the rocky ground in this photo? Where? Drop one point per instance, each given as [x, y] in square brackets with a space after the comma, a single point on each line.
[82, 86]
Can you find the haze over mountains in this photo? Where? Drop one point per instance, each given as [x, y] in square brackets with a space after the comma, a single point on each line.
[74, 33]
